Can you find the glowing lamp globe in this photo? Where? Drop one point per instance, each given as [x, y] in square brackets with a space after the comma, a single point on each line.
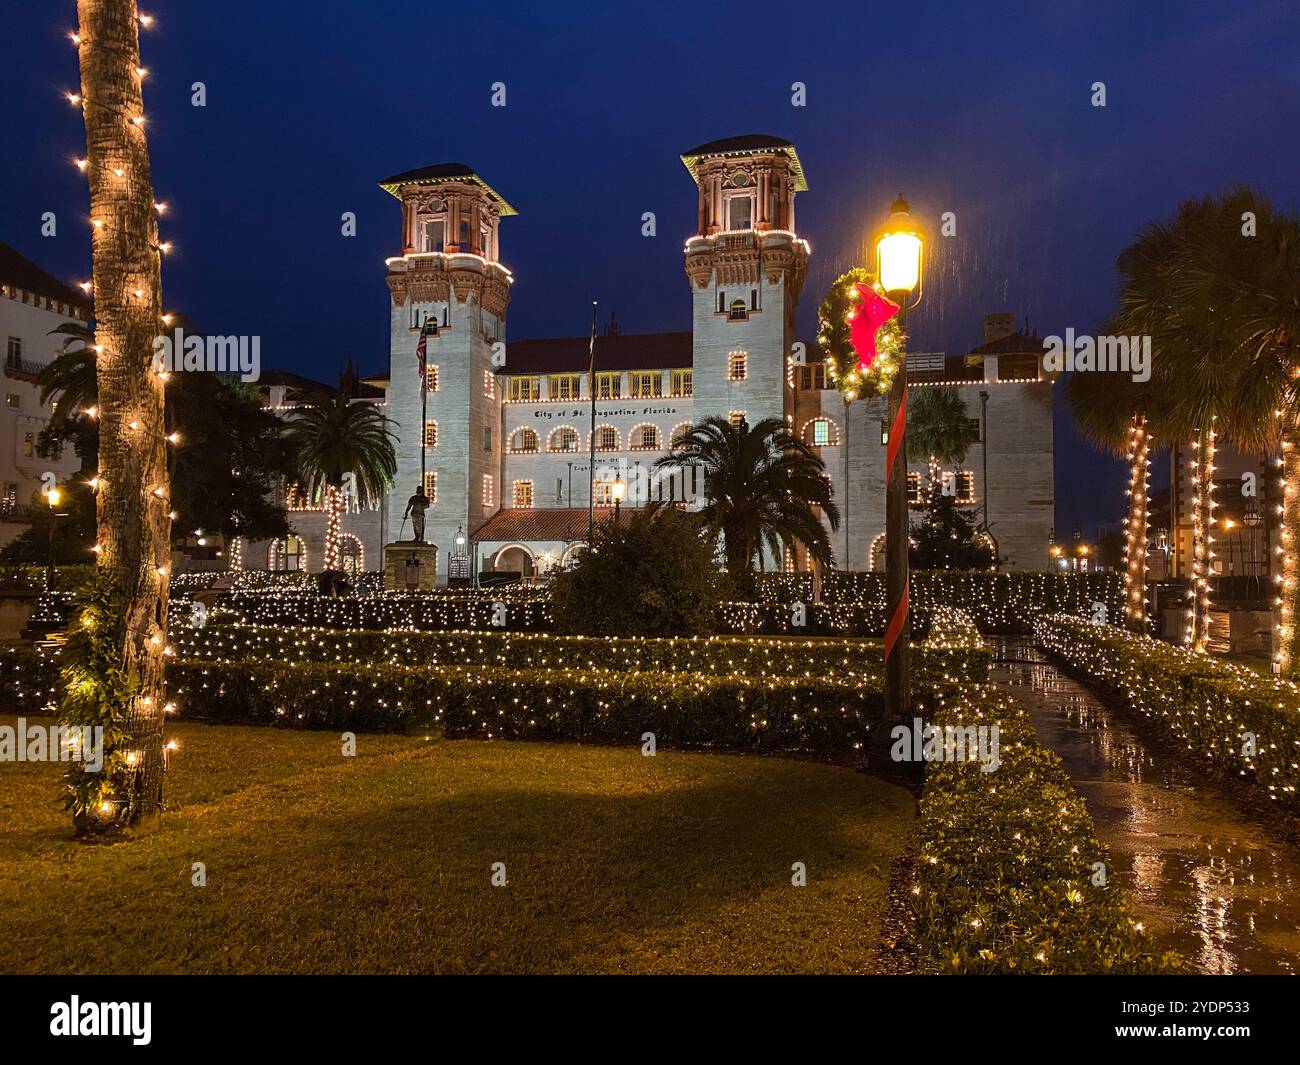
[54, 496]
[900, 246]
[618, 490]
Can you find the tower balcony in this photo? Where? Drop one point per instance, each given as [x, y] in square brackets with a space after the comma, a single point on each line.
[743, 256]
[431, 277]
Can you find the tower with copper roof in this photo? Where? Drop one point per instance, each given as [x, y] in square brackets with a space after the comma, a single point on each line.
[746, 264]
[448, 283]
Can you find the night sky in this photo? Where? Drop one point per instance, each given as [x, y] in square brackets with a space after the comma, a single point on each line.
[981, 109]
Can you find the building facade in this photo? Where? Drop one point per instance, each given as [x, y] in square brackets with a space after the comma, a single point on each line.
[507, 427]
[32, 305]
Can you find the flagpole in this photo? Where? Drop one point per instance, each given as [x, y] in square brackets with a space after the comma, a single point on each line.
[591, 442]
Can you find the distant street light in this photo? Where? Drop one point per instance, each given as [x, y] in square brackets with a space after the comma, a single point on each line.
[52, 496]
[618, 491]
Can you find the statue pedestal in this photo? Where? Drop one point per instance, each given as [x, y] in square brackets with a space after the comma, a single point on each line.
[410, 567]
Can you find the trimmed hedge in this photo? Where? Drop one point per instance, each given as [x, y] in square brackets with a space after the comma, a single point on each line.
[1006, 603]
[682, 710]
[1207, 704]
[427, 611]
[953, 650]
[1004, 875]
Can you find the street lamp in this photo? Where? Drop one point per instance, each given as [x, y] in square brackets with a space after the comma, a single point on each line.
[617, 490]
[52, 496]
[899, 247]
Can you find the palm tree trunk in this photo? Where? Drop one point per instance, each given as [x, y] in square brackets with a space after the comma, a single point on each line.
[134, 528]
[1202, 523]
[1286, 646]
[1135, 531]
[334, 508]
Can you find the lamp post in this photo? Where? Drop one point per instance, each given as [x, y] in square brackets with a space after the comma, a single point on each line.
[617, 490]
[899, 246]
[52, 496]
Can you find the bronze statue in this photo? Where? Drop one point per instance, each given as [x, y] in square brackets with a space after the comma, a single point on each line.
[415, 508]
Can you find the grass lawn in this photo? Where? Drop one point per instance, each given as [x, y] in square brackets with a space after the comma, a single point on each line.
[382, 863]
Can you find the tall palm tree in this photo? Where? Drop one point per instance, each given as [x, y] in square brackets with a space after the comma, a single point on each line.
[115, 664]
[1240, 282]
[1126, 418]
[762, 487]
[336, 440]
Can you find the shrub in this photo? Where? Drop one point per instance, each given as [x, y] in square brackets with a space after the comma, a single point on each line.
[428, 611]
[1005, 870]
[1007, 603]
[652, 575]
[1206, 704]
[954, 650]
[684, 709]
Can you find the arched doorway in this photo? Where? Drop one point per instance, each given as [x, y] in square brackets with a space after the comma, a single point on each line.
[515, 558]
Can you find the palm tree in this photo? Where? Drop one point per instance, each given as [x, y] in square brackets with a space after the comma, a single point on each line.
[762, 486]
[115, 664]
[336, 440]
[1239, 283]
[68, 382]
[1125, 418]
[937, 431]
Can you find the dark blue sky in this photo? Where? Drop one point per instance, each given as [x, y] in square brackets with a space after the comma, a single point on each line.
[981, 109]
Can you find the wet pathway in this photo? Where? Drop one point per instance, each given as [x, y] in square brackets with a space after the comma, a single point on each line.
[1205, 879]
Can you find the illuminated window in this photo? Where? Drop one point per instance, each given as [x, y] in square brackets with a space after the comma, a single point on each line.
[29, 445]
[565, 386]
[562, 439]
[524, 441]
[965, 487]
[820, 432]
[606, 438]
[13, 400]
[525, 389]
[608, 385]
[430, 434]
[431, 378]
[287, 556]
[489, 384]
[523, 494]
[914, 496]
[431, 485]
[604, 493]
[735, 417]
[488, 490]
[737, 366]
[645, 383]
[645, 438]
[682, 384]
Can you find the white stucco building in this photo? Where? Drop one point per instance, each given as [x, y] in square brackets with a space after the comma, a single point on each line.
[32, 303]
[508, 425]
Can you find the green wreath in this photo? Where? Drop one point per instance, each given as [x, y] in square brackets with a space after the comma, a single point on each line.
[837, 348]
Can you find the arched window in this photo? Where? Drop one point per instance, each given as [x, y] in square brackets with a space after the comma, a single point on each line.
[563, 438]
[606, 438]
[821, 432]
[680, 431]
[645, 438]
[738, 312]
[523, 441]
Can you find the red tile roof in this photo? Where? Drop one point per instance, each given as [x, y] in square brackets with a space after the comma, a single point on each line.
[18, 270]
[619, 351]
[543, 523]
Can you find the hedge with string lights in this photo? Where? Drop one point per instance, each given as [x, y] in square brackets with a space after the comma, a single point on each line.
[1233, 718]
[953, 648]
[1007, 877]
